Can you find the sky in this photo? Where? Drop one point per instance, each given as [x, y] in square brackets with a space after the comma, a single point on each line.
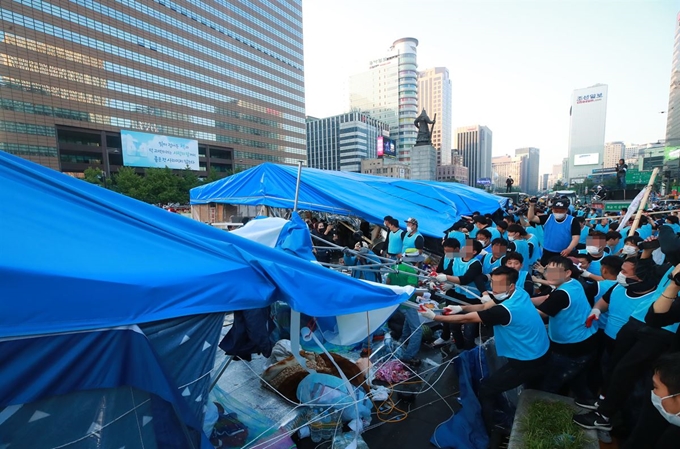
[513, 64]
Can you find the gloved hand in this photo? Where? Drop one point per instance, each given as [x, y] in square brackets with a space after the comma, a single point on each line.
[594, 315]
[426, 313]
[441, 278]
[586, 274]
[346, 252]
[486, 298]
[432, 286]
[452, 310]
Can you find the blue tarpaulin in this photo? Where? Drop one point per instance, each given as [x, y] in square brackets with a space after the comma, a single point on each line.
[77, 256]
[118, 304]
[436, 205]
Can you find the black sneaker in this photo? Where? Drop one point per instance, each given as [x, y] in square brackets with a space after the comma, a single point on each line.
[590, 404]
[593, 420]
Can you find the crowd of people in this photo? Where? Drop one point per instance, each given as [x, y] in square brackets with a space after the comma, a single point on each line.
[576, 303]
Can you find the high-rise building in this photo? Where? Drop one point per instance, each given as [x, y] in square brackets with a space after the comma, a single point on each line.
[613, 152]
[388, 92]
[673, 113]
[555, 175]
[227, 76]
[564, 172]
[434, 95]
[504, 167]
[545, 179]
[343, 141]
[529, 170]
[474, 144]
[586, 131]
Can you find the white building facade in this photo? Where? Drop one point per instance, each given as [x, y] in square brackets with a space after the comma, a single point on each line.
[434, 95]
[586, 132]
[388, 92]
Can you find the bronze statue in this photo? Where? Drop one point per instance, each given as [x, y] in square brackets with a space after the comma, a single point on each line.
[424, 131]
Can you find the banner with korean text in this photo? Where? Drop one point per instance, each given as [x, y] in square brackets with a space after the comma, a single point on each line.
[153, 150]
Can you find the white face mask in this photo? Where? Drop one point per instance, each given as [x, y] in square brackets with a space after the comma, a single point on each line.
[559, 216]
[590, 249]
[623, 280]
[483, 242]
[512, 238]
[629, 250]
[658, 404]
[409, 228]
[502, 296]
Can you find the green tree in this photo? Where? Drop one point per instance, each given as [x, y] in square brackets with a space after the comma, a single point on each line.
[93, 175]
[161, 186]
[129, 183]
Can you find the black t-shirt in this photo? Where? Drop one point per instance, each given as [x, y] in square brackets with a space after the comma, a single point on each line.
[495, 316]
[557, 301]
[663, 319]
[575, 227]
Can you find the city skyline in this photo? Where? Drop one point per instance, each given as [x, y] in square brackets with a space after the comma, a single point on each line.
[518, 75]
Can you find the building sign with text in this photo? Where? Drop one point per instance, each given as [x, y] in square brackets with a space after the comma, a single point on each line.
[153, 150]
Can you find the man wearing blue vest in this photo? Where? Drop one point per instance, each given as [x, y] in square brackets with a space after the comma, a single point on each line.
[394, 241]
[519, 336]
[515, 261]
[493, 259]
[573, 346]
[466, 271]
[413, 240]
[560, 231]
[519, 242]
[459, 232]
[644, 337]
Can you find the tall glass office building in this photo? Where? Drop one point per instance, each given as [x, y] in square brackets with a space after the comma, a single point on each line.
[228, 74]
[388, 92]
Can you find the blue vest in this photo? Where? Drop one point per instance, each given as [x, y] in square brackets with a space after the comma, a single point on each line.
[494, 233]
[602, 228]
[580, 213]
[538, 250]
[569, 325]
[458, 236]
[595, 267]
[522, 247]
[395, 244]
[538, 231]
[409, 241]
[602, 288]
[676, 228]
[474, 232]
[488, 266]
[640, 311]
[459, 269]
[557, 235]
[524, 338]
[584, 235]
[621, 306]
[521, 279]
[645, 231]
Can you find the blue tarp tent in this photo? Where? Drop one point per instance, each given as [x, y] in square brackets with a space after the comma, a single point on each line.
[111, 311]
[436, 205]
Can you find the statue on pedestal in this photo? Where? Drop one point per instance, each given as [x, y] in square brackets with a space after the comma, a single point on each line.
[422, 122]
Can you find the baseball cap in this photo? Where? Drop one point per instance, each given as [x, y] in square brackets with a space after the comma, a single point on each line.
[560, 204]
[412, 220]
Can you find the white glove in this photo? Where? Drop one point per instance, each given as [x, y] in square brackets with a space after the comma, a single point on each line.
[432, 286]
[596, 312]
[586, 274]
[452, 310]
[427, 313]
[486, 298]
[441, 278]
